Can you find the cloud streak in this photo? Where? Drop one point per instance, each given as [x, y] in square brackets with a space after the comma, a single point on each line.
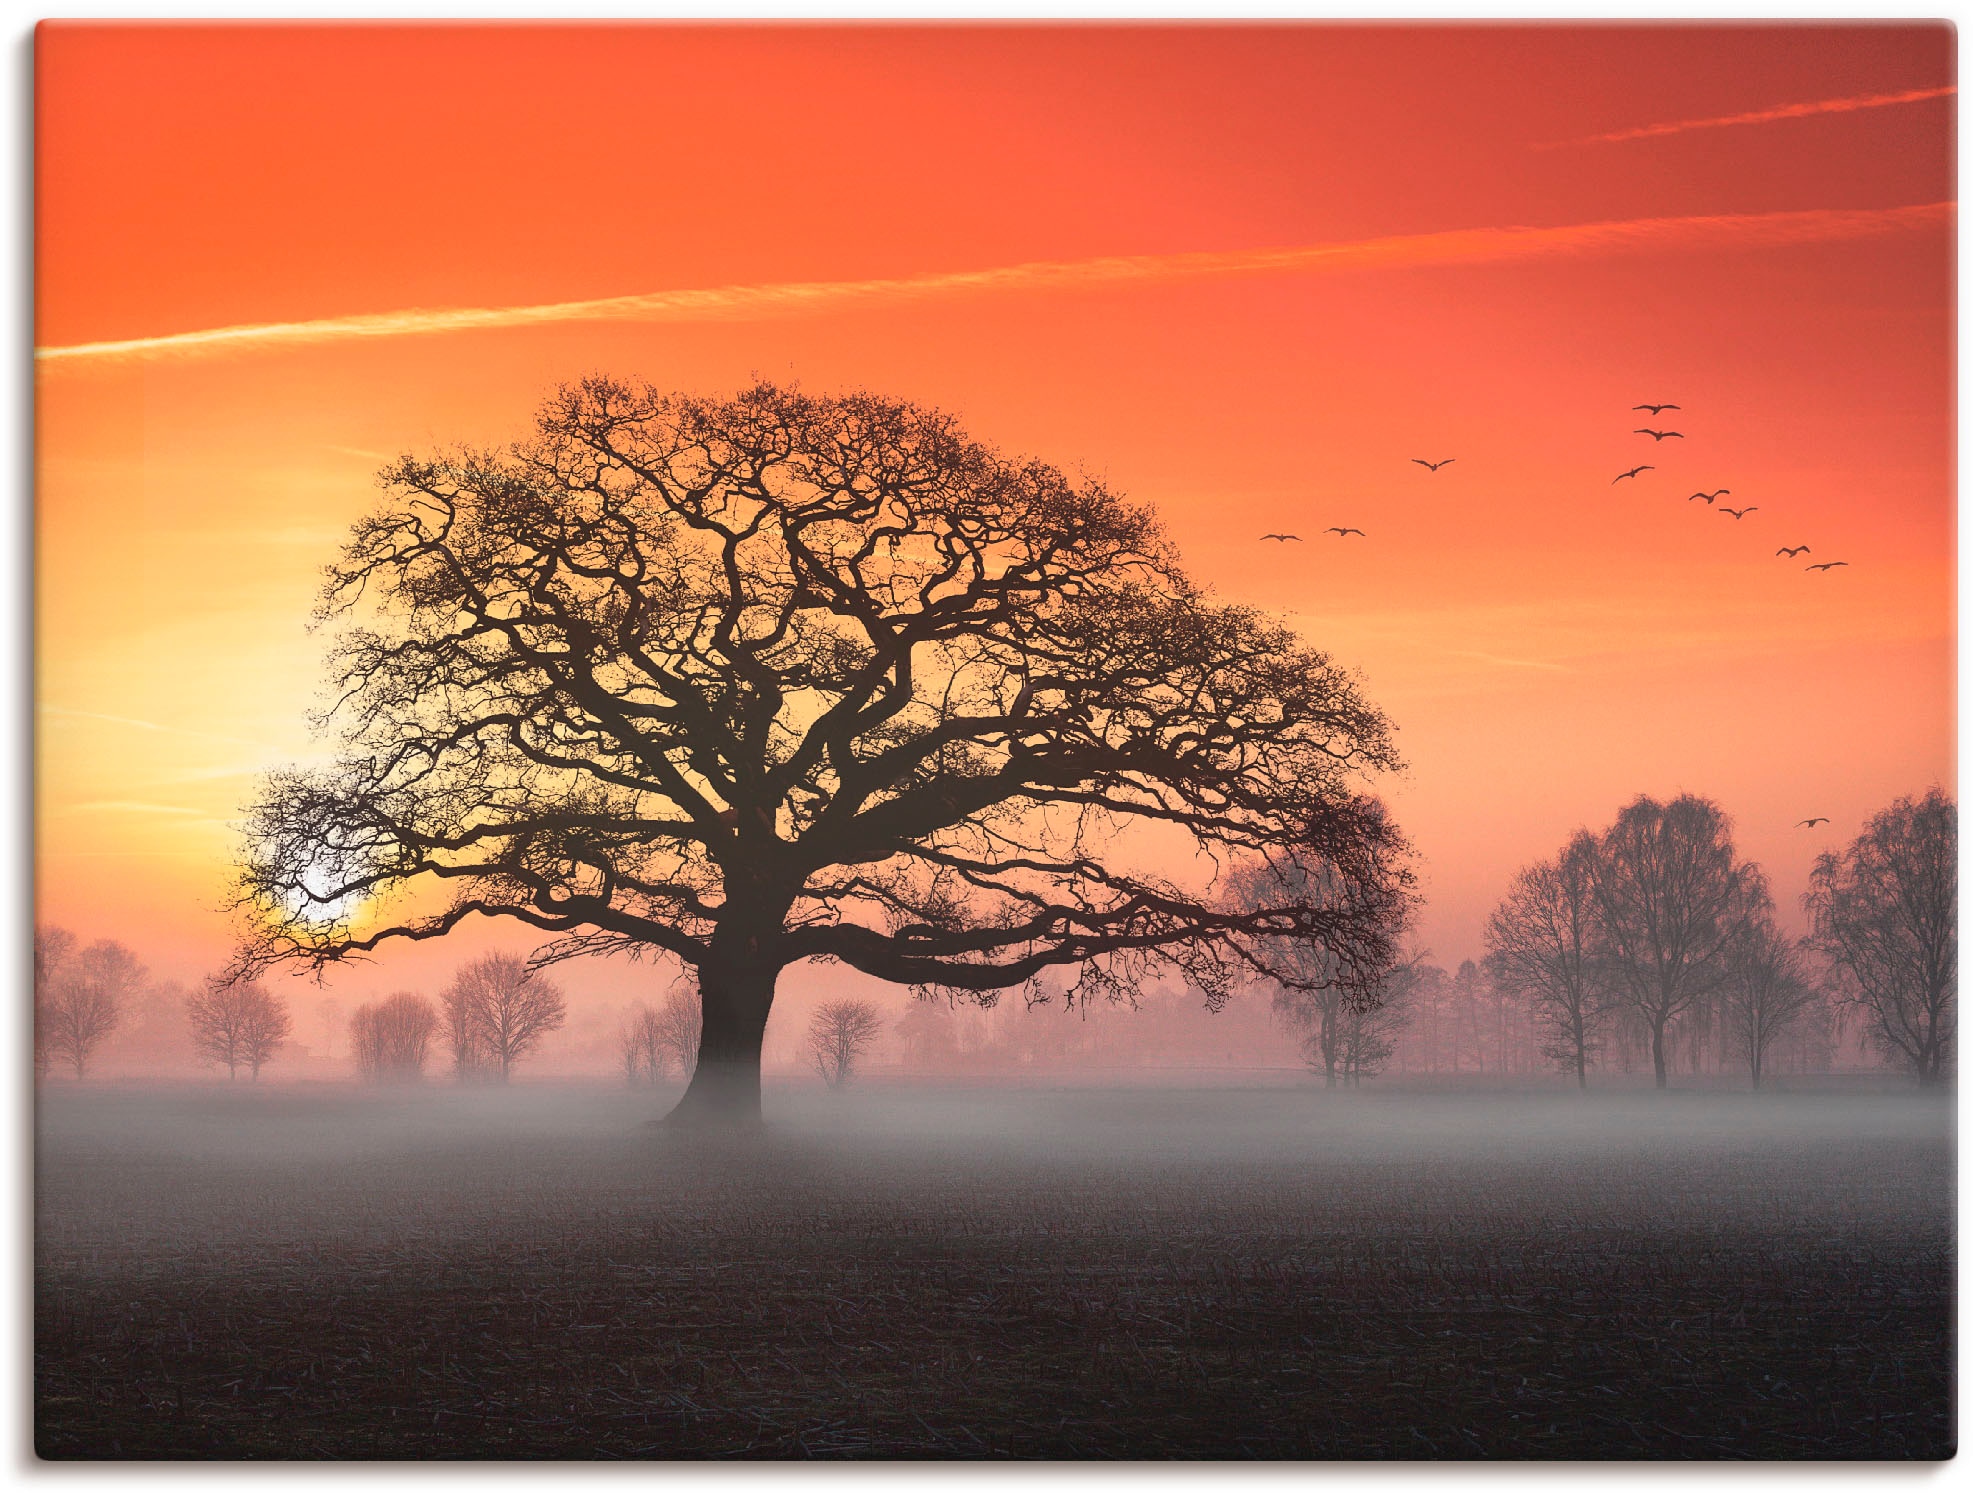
[797, 298]
[1759, 116]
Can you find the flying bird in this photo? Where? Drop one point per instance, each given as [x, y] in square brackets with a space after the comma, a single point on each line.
[1742, 512]
[1296, 537]
[1811, 823]
[1792, 550]
[1659, 435]
[1724, 492]
[1631, 473]
[1654, 410]
[1826, 565]
[1339, 532]
[1435, 465]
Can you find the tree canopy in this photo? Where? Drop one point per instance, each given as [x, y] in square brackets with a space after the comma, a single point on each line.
[778, 677]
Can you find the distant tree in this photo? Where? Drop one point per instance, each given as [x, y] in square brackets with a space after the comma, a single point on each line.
[84, 999]
[675, 1031]
[1766, 993]
[1321, 988]
[634, 1047]
[784, 678]
[1885, 916]
[238, 1024]
[391, 1039]
[1670, 898]
[1369, 1034]
[1541, 946]
[466, 1035]
[840, 1032]
[504, 1008]
[54, 952]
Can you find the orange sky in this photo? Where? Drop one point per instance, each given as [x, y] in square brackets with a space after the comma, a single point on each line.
[1548, 643]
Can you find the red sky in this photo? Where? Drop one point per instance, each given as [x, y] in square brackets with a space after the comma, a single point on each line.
[1549, 643]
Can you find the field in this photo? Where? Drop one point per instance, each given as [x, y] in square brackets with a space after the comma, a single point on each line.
[313, 1271]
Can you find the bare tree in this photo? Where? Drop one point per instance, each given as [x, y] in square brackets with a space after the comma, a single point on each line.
[780, 678]
[504, 1010]
[391, 1039]
[840, 1032]
[1670, 899]
[1318, 988]
[1885, 915]
[54, 952]
[1541, 946]
[1371, 1031]
[1766, 991]
[466, 1035]
[237, 1023]
[634, 1045]
[84, 999]
[675, 1031]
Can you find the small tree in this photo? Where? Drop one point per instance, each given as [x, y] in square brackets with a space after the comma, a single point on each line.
[675, 1030]
[504, 1009]
[391, 1038]
[1766, 992]
[838, 1034]
[238, 1024]
[1370, 1033]
[54, 952]
[1540, 944]
[465, 1036]
[1671, 899]
[1885, 915]
[83, 1000]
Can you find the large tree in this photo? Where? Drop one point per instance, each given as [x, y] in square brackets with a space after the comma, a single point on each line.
[754, 681]
[1541, 943]
[1885, 915]
[1671, 898]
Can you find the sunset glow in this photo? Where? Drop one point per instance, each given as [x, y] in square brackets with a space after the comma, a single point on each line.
[1248, 275]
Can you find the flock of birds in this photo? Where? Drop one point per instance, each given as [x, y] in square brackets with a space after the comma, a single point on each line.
[1709, 498]
[1657, 438]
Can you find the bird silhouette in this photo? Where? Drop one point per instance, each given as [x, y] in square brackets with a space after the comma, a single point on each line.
[1340, 533]
[1659, 435]
[1654, 410]
[1811, 823]
[1792, 550]
[1435, 465]
[1296, 537]
[1826, 565]
[1724, 492]
[1631, 473]
[1742, 512]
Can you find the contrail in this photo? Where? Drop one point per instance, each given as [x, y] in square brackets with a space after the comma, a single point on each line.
[759, 302]
[1760, 116]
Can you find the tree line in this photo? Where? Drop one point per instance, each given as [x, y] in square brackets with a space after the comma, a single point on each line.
[1653, 938]
[494, 1014]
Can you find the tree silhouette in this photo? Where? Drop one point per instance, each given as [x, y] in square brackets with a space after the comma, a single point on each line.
[502, 1009]
[1766, 991]
[1671, 898]
[391, 1038]
[81, 996]
[840, 1032]
[237, 1023]
[1540, 945]
[1885, 914]
[780, 678]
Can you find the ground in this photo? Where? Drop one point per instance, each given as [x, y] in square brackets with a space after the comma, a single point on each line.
[315, 1271]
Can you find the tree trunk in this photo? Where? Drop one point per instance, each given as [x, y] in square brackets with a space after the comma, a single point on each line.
[1658, 1052]
[734, 999]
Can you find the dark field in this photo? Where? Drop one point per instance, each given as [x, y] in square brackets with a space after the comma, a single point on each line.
[992, 1273]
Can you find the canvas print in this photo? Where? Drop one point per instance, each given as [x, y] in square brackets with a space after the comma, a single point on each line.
[994, 741]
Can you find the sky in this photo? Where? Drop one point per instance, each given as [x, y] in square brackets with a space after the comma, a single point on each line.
[1247, 274]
